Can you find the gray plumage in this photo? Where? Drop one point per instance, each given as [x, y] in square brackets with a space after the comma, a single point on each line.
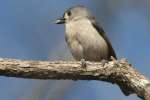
[84, 37]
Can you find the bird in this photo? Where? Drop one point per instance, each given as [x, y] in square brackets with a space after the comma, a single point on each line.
[85, 38]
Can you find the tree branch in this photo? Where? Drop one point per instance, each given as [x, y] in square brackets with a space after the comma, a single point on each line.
[119, 72]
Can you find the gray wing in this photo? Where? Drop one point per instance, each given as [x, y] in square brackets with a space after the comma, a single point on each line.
[102, 33]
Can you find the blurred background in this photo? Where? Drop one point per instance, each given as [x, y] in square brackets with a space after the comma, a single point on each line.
[26, 32]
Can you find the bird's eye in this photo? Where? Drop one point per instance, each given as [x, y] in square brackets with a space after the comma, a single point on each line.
[69, 13]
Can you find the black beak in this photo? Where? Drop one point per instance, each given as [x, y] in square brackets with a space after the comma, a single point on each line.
[60, 21]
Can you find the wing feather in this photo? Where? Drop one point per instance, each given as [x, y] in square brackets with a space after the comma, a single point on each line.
[102, 33]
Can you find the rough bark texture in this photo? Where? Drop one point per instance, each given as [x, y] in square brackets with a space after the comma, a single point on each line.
[117, 72]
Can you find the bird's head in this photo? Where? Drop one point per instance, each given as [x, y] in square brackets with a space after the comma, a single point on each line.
[73, 14]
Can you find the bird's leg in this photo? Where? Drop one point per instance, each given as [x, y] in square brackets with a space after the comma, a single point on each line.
[112, 58]
[103, 61]
[83, 63]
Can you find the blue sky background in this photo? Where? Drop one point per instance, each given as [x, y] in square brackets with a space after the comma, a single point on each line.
[26, 32]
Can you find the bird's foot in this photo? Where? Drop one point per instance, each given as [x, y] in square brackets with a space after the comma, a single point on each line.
[103, 61]
[83, 63]
[112, 58]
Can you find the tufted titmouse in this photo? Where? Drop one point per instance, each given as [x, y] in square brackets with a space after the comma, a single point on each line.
[84, 37]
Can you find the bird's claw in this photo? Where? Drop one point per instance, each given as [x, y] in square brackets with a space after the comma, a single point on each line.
[83, 63]
[103, 61]
[113, 58]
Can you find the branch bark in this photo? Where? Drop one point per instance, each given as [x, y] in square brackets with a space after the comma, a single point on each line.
[117, 72]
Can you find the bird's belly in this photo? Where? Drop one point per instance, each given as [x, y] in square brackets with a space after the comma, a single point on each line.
[76, 49]
[90, 53]
[94, 52]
